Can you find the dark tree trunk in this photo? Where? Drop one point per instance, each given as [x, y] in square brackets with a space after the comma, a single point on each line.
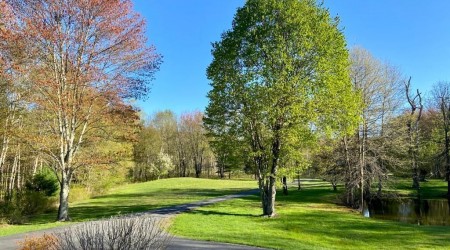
[415, 177]
[222, 172]
[448, 185]
[447, 163]
[268, 199]
[437, 170]
[198, 170]
[268, 196]
[183, 168]
[334, 182]
[380, 186]
[285, 186]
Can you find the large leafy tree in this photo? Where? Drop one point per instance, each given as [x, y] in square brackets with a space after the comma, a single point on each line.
[85, 58]
[279, 77]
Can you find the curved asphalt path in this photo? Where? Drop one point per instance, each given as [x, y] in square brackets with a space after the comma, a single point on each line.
[10, 242]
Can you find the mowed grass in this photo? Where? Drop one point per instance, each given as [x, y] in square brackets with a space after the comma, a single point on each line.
[136, 197]
[307, 219]
[430, 189]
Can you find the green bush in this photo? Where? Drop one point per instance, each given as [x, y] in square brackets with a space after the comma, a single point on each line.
[45, 181]
[32, 203]
[23, 204]
[34, 199]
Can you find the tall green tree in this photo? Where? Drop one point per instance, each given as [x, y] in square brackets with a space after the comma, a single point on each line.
[279, 77]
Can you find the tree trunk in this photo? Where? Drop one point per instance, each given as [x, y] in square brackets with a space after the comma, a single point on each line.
[198, 170]
[269, 190]
[63, 211]
[380, 186]
[448, 184]
[285, 187]
[221, 171]
[362, 162]
[183, 168]
[413, 132]
[35, 165]
[268, 197]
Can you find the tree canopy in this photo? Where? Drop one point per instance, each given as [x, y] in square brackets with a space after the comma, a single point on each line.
[280, 77]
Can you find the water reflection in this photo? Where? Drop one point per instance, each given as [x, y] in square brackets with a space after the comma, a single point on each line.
[422, 212]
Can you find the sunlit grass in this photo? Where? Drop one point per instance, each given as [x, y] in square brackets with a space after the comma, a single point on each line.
[137, 197]
[307, 219]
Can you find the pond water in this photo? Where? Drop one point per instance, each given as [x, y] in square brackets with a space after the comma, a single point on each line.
[421, 212]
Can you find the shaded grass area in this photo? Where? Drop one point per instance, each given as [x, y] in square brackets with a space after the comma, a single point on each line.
[136, 197]
[430, 189]
[307, 219]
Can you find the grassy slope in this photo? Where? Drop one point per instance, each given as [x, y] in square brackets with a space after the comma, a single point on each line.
[135, 198]
[307, 219]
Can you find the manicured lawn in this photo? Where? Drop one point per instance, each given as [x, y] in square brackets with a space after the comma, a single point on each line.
[137, 197]
[307, 219]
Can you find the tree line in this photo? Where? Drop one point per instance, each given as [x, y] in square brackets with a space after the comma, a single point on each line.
[171, 146]
[402, 132]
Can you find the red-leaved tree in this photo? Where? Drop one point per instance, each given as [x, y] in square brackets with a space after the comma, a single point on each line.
[85, 58]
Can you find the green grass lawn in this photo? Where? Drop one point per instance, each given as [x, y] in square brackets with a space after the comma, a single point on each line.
[307, 219]
[430, 189]
[136, 197]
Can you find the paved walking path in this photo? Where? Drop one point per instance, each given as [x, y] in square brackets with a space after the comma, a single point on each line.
[10, 242]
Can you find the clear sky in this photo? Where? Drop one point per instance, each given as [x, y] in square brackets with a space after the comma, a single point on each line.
[413, 35]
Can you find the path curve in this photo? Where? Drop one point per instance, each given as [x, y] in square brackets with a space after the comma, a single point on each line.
[10, 242]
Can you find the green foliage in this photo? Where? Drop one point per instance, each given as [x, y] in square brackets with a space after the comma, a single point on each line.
[44, 181]
[280, 80]
[35, 198]
[109, 167]
[281, 71]
[24, 204]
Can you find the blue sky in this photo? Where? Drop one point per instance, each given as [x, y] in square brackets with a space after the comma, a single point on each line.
[413, 35]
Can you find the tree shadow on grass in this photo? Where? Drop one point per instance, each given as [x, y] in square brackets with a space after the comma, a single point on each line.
[174, 192]
[106, 206]
[346, 228]
[86, 213]
[212, 212]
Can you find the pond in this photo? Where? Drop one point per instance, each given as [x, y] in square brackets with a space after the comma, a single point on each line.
[421, 212]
